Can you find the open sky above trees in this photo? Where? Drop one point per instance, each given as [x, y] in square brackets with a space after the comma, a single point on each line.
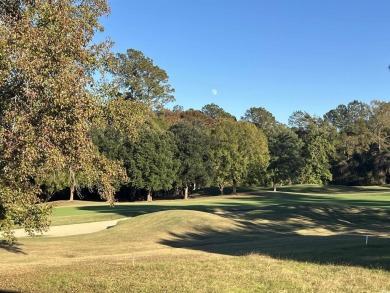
[280, 55]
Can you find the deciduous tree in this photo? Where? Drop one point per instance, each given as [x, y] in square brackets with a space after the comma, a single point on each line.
[262, 119]
[193, 145]
[46, 67]
[286, 156]
[214, 111]
[318, 150]
[151, 162]
[239, 147]
[140, 80]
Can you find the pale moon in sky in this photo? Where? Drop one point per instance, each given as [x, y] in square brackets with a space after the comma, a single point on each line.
[214, 92]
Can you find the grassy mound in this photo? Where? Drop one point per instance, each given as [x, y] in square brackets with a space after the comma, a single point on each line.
[154, 229]
[154, 225]
[143, 233]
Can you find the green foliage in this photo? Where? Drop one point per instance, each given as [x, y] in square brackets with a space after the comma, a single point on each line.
[380, 124]
[46, 67]
[253, 145]
[317, 152]
[370, 167]
[225, 149]
[349, 118]
[299, 121]
[140, 80]
[239, 147]
[22, 209]
[151, 162]
[362, 142]
[352, 123]
[193, 145]
[286, 156]
[126, 116]
[261, 118]
[53, 182]
[318, 146]
[214, 111]
[171, 118]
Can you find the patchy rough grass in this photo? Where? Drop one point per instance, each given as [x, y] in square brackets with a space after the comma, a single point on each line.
[260, 242]
[201, 273]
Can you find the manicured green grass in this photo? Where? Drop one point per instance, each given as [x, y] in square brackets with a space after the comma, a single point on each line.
[248, 199]
[333, 189]
[256, 242]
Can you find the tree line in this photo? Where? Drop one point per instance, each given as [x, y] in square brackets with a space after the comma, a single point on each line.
[75, 115]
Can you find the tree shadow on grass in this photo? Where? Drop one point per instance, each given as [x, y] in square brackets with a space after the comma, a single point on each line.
[337, 249]
[291, 226]
[14, 248]
[334, 189]
[321, 235]
[251, 201]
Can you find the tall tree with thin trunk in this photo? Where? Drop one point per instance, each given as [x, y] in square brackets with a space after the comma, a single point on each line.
[380, 124]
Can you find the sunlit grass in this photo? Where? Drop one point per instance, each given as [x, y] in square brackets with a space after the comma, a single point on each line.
[202, 273]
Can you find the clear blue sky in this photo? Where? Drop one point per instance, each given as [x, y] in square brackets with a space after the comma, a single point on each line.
[283, 55]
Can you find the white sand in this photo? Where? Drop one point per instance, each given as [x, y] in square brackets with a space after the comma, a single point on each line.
[73, 229]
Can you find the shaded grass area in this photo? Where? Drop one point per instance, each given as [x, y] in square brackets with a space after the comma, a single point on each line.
[16, 248]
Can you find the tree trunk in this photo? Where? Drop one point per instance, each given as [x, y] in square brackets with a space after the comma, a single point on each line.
[194, 186]
[186, 192]
[149, 198]
[234, 186]
[274, 184]
[221, 187]
[72, 184]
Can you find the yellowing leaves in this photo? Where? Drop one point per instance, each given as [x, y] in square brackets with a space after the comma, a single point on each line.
[46, 108]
